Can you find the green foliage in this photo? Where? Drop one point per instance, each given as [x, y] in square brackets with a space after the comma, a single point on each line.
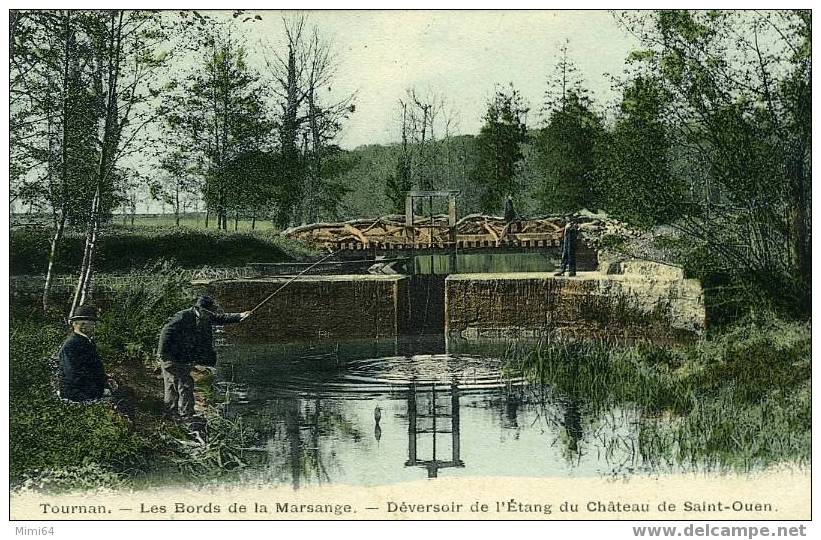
[136, 311]
[218, 118]
[330, 190]
[637, 186]
[567, 148]
[499, 149]
[737, 88]
[398, 184]
[46, 433]
[123, 249]
[737, 399]
[86, 477]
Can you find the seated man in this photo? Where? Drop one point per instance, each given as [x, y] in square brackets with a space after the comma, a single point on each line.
[81, 373]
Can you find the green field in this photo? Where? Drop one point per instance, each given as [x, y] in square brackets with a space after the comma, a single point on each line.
[190, 220]
[122, 249]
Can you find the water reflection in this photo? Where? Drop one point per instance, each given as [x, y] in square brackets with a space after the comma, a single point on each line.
[377, 413]
[434, 419]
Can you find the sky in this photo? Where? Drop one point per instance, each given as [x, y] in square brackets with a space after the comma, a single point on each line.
[459, 55]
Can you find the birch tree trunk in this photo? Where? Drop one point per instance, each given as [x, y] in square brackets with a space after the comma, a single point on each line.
[63, 188]
[108, 141]
[52, 258]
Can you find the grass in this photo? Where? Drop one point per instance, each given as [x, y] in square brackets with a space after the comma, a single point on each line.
[739, 399]
[56, 445]
[124, 248]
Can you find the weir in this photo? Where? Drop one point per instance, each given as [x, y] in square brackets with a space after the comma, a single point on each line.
[479, 278]
[631, 300]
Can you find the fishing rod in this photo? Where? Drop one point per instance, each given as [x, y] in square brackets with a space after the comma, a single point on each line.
[323, 259]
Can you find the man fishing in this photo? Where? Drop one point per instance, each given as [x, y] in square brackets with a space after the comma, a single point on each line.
[187, 340]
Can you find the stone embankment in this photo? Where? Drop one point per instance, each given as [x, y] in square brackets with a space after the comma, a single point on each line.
[624, 299]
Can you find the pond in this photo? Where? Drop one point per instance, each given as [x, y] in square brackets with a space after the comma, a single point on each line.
[379, 412]
[473, 263]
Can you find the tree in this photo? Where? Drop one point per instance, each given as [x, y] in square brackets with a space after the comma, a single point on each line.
[80, 82]
[739, 86]
[253, 178]
[219, 112]
[566, 147]
[125, 46]
[179, 181]
[310, 119]
[635, 168]
[52, 124]
[400, 181]
[499, 148]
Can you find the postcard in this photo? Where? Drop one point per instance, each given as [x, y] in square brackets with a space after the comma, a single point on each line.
[411, 265]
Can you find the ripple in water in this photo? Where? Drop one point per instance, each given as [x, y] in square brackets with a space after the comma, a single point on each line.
[357, 379]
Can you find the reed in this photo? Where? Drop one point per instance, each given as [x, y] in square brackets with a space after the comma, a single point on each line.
[739, 399]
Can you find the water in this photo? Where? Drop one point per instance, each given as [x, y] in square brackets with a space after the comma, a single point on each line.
[313, 413]
[470, 263]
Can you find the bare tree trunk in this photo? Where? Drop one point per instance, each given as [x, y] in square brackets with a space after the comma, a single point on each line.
[253, 220]
[207, 215]
[82, 289]
[177, 205]
[52, 257]
[236, 220]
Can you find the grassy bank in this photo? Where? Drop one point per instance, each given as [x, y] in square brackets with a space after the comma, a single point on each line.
[124, 248]
[739, 399]
[56, 445]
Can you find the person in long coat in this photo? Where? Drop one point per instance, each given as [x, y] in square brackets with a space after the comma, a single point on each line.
[569, 236]
[81, 374]
[186, 340]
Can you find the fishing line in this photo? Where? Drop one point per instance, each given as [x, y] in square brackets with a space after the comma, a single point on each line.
[326, 257]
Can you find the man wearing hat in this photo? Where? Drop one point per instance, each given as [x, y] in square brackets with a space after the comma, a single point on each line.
[81, 373]
[569, 235]
[187, 339]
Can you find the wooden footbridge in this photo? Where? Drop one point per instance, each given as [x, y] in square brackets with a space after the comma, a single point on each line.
[442, 232]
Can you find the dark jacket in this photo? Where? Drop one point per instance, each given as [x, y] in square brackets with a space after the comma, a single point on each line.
[510, 212]
[82, 376]
[569, 237]
[185, 340]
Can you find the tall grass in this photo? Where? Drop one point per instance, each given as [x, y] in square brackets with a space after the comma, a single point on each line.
[54, 443]
[739, 399]
[138, 308]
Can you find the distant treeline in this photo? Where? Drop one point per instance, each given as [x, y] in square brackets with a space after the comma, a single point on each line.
[711, 134]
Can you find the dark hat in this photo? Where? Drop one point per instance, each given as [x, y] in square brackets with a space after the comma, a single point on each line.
[205, 302]
[84, 313]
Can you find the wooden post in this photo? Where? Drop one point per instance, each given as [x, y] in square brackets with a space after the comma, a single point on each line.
[411, 425]
[452, 225]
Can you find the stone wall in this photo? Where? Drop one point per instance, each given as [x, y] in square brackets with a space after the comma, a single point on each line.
[314, 308]
[619, 305]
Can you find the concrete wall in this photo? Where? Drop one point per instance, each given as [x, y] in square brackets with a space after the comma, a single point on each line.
[627, 300]
[315, 308]
[593, 304]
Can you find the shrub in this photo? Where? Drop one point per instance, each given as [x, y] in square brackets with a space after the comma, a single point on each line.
[46, 433]
[137, 309]
[124, 249]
